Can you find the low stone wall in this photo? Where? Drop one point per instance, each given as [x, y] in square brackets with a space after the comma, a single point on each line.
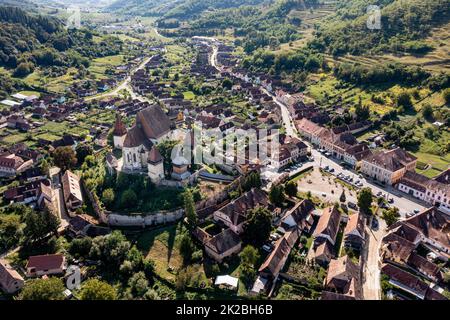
[120, 220]
[152, 219]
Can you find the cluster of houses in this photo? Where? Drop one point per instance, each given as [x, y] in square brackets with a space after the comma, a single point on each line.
[413, 254]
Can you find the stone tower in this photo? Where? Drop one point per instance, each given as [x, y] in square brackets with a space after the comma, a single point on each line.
[155, 165]
[119, 133]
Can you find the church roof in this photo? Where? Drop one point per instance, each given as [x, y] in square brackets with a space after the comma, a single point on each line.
[153, 121]
[154, 156]
[119, 127]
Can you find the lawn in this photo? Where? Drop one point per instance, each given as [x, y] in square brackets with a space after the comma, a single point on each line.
[161, 245]
[189, 95]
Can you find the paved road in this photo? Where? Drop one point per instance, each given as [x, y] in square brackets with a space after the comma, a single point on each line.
[370, 259]
[125, 85]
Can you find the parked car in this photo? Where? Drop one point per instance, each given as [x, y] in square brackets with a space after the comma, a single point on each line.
[375, 224]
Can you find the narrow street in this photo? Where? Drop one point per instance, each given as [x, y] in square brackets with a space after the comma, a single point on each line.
[370, 259]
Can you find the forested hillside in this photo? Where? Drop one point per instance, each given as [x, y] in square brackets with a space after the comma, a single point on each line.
[27, 41]
[403, 25]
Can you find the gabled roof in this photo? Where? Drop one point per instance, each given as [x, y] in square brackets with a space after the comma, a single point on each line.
[276, 260]
[71, 186]
[392, 160]
[355, 225]
[8, 275]
[153, 121]
[343, 277]
[46, 262]
[224, 241]
[237, 210]
[328, 223]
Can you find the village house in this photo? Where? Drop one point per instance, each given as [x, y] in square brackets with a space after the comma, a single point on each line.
[407, 282]
[325, 235]
[51, 264]
[388, 167]
[354, 233]
[223, 245]
[427, 230]
[274, 263]
[343, 279]
[432, 191]
[72, 191]
[300, 217]
[234, 214]
[11, 165]
[10, 280]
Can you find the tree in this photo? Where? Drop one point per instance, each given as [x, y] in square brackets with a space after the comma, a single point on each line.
[186, 248]
[446, 95]
[65, 158]
[276, 195]
[365, 199]
[83, 150]
[189, 209]
[427, 111]
[291, 189]
[95, 289]
[258, 226]
[404, 100]
[108, 197]
[39, 225]
[249, 256]
[80, 247]
[128, 199]
[111, 249]
[362, 112]
[11, 231]
[43, 289]
[138, 284]
[391, 216]
[24, 69]
[227, 84]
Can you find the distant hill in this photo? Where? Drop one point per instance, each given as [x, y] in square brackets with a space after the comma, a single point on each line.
[30, 40]
[404, 24]
[143, 7]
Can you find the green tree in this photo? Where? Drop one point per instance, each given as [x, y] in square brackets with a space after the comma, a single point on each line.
[258, 226]
[189, 209]
[108, 196]
[362, 112]
[43, 289]
[391, 216]
[187, 248]
[276, 195]
[404, 100]
[83, 150]
[138, 284]
[128, 199]
[80, 247]
[446, 96]
[291, 189]
[227, 84]
[65, 158]
[365, 199]
[95, 289]
[111, 249]
[39, 225]
[11, 231]
[249, 256]
[427, 111]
